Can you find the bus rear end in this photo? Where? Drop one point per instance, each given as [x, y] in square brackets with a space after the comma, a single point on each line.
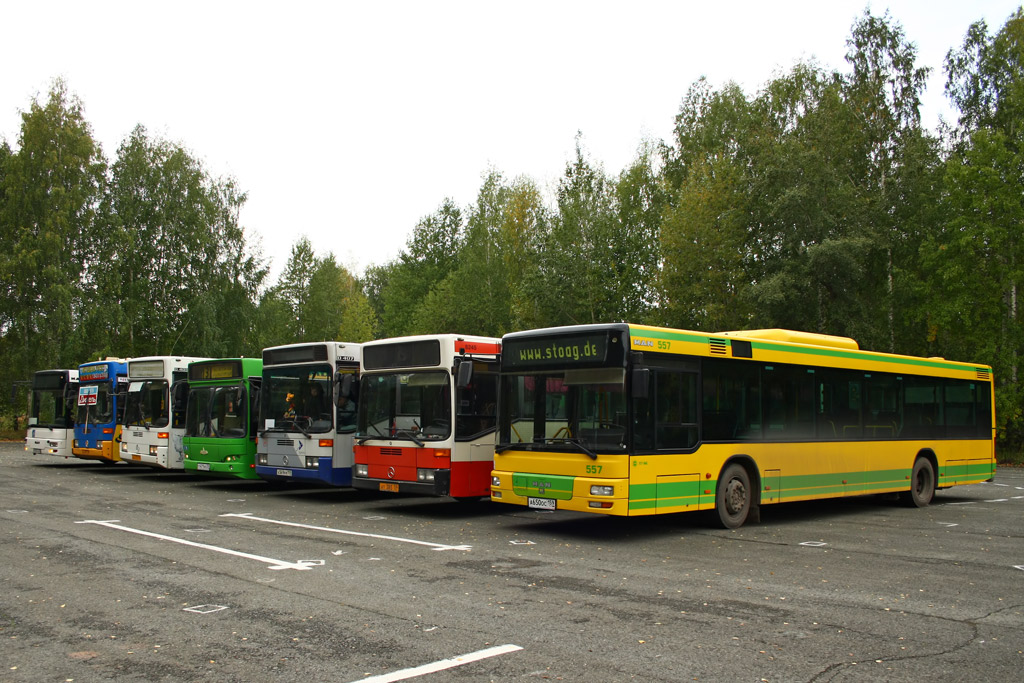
[427, 414]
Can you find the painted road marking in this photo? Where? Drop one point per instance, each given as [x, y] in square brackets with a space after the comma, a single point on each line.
[435, 546]
[814, 544]
[406, 674]
[275, 564]
[205, 609]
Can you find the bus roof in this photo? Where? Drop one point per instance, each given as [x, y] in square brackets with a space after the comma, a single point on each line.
[773, 345]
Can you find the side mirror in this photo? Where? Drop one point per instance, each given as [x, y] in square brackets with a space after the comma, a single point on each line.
[641, 382]
[465, 375]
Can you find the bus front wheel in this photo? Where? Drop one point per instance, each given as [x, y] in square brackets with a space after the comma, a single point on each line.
[733, 496]
[922, 484]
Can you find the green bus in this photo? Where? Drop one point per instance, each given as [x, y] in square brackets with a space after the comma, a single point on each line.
[220, 421]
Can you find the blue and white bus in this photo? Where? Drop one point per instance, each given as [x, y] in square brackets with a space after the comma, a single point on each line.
[308, 412]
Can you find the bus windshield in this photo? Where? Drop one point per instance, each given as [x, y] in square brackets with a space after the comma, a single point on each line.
[297, 399]
[576, 410]
[50, 408]
[147, 403]
[100, 412]
[217, 412]
[415, 406]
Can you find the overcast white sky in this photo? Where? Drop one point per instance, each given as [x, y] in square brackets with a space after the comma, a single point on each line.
[349, 121]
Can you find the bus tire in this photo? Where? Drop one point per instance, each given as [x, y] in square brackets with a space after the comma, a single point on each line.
[922, 484]
[733, 496]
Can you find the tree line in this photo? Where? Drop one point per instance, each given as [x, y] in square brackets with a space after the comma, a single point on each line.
[819, 202]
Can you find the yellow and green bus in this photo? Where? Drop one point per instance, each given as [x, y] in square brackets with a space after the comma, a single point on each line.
[628, 419]
[220, 420]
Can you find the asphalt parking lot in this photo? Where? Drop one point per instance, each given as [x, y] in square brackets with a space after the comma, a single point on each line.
[119, 572]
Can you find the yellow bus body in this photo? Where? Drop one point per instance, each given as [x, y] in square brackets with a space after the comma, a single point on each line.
[781, 471]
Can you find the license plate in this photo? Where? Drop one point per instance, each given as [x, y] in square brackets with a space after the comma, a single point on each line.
[203, 467]
[393, 488]
[136, 457]
[37, 451]
[284, 473]
[542, 503]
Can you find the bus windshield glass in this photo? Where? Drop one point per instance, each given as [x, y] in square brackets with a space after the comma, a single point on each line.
[217, 412]
[147, 403]
[297, 399]
[415, 406]
[98, 408]
[582, 409]
[50, 407]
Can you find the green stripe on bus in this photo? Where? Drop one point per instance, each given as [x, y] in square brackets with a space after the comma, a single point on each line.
[811, 350]
[543, 485]
[650, 496]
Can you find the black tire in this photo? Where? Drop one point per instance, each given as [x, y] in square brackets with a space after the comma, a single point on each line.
[733, 496]
[922, 484]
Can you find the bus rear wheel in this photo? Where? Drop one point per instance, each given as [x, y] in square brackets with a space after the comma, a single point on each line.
[922, 484]
[733, 496]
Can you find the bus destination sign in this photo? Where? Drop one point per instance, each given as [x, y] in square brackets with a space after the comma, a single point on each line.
[224, 369]
[589, 349]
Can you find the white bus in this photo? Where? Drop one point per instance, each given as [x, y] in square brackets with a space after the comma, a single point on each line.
[427, 415]
[51, 417]
[154, 419]
[308, 412]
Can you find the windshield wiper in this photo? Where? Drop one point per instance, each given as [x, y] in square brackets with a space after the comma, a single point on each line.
[411, 435]
[575, 442]
[364, 439]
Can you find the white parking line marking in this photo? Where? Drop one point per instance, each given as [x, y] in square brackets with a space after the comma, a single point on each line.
[275, 564]
[441, 665]
[435, 546]
[205, 609]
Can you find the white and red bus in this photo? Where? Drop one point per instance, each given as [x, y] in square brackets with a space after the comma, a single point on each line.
[427, 414]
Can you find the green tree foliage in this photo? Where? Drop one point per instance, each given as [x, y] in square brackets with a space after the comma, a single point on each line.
[977, 246]
[486, 292]
[51, 188]
[176, 261]
[430, 255]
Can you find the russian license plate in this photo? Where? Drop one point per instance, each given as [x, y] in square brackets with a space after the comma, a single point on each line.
[541, 503]
[385, 486]
[284, 473]
[136, 457]
[203, 467]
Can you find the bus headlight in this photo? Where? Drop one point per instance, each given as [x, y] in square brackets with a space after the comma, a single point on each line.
[602, 490]
[261, 458]
[361, 471]
[152, 450]
[495, 481]
[425, 475]
[311, 461]
[124, 447]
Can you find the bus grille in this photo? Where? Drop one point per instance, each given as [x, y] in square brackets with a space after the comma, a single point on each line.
[984, 375]
[286, 442]
[391, 451]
